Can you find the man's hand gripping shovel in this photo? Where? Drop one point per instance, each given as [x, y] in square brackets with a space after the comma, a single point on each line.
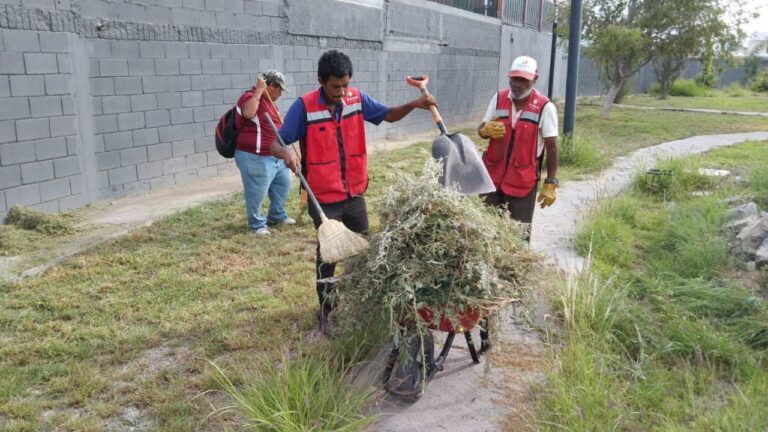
[462, 165]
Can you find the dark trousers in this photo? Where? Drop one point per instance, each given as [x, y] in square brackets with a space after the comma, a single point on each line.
[518, 208]
[353, 214]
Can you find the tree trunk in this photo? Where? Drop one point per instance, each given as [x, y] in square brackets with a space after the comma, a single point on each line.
[613, 90]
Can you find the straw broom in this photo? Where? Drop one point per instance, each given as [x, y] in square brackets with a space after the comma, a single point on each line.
[303, 196]
[337, 242]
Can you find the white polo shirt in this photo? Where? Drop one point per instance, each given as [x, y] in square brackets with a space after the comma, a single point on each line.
[547, 120]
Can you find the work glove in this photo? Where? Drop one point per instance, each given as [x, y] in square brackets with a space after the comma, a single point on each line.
[493, 129]
[547, 196]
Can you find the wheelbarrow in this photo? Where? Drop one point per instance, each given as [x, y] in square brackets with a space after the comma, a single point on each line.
[408, 373]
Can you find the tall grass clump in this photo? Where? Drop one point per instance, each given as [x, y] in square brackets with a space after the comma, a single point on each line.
[758, 184]
[579, 153]
[688, 88]
[585, 302]
[672, 179]
[607, 232]
[736, 90]
[306, 393]
[690, 244]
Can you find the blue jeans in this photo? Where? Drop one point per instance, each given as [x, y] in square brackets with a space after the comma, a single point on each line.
[262, 176]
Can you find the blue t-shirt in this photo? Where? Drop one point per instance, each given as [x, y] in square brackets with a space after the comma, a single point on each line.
[295, 123]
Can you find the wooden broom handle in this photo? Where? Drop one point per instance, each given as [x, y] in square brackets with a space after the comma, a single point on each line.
[269, 98]
[304, 183]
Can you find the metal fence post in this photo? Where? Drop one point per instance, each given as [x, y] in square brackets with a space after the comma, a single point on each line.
[572, 80]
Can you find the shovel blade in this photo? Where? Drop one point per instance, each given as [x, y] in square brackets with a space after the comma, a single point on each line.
[462, 165]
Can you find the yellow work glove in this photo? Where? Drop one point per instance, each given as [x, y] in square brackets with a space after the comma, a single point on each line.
[547, 195]
[493, 129]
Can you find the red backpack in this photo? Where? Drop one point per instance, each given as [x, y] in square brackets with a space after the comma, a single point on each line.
[226, 134]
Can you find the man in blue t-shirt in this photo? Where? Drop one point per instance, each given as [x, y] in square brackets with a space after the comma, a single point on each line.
[329, 124]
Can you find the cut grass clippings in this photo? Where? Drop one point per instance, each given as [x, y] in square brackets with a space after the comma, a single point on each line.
[45, 223]
[436, 248]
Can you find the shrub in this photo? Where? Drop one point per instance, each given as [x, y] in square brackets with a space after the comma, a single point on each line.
[736, 90]
[760, 84]
[687, 88]
[654, 89]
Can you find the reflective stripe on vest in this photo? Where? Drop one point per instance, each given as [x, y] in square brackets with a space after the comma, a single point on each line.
[501, 113]
[318, 116]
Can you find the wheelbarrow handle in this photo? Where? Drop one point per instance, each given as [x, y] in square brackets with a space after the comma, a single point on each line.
[420, 82]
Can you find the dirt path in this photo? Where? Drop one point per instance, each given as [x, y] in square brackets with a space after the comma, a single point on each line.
[491, 396]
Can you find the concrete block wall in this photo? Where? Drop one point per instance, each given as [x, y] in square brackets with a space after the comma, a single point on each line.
[39, 152]
[99, 98]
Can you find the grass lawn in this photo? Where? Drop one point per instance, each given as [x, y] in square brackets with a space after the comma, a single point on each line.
[120, 336]
[124, 331]
[667, 331]
[755, 102]
[627, 130]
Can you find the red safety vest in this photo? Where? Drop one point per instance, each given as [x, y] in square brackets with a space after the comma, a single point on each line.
[515, 170]
[334, 153]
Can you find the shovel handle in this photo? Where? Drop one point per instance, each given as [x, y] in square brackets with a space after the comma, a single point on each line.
[304, 183]
[420, 82]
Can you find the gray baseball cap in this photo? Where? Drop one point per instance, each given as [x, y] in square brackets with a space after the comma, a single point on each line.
[275, 77]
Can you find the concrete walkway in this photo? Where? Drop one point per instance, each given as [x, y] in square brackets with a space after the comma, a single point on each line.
[696, 110]
[555, 227]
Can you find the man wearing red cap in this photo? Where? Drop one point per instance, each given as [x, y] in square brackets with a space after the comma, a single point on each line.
[521, 125]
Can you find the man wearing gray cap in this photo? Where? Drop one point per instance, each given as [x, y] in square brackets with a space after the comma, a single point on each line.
[262, 173]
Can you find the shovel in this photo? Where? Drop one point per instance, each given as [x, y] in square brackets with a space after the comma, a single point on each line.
[462, 165]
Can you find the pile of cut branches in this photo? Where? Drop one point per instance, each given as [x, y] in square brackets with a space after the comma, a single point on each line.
[436, 249]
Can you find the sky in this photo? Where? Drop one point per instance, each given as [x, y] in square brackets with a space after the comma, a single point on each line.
[761, 23]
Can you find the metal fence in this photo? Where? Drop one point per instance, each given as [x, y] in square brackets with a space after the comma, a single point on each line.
[533, 14]
[482, 7]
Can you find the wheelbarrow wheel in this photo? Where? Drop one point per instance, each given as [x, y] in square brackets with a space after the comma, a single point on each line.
[408, 378]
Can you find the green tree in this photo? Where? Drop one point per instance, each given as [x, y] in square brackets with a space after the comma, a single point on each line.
[707, 76]
[622, 36]
[667, 70]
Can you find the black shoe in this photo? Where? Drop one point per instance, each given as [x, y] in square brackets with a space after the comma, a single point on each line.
[327, 326]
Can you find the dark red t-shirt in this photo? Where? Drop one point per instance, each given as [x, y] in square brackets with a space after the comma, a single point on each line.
[256, 136]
